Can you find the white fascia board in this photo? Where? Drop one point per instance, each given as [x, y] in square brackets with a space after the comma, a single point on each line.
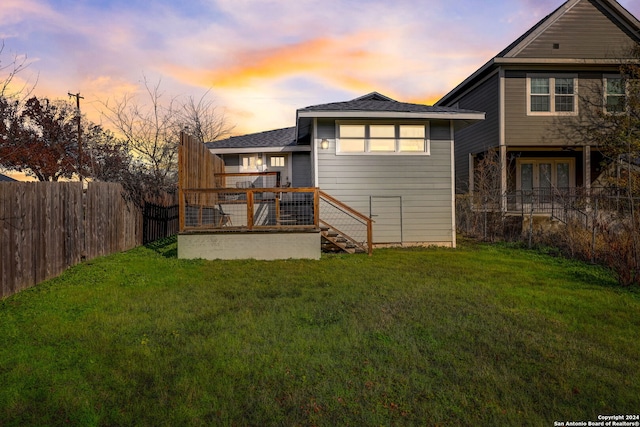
[392, 115]
[250, 150]
[559, 61]
[632, 24]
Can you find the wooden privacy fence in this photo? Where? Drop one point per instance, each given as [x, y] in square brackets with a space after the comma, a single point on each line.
[198, 168]
[159, 221]
[46, 227]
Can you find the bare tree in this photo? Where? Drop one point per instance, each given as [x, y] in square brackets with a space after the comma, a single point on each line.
[151, 128]
[8, 72]
[202, 119]
[610, 120]
[151, 131]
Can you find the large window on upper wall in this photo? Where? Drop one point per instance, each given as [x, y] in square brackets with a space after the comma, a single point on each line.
[552, 95]
[614, 94]
[382, 138]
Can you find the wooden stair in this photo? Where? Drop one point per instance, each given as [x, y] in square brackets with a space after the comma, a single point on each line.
[342, 228]
[333, 241]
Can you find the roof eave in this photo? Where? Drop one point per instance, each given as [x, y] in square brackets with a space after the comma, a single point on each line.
[250, 150]
[563, 61]
[392, 115]
[479, 72]
[541, 28]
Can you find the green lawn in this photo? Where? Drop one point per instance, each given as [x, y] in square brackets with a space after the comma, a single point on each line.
[481, 335]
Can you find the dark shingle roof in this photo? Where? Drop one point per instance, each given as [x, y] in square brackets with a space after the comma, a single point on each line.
[375, 102]
[4, 178]
[272, 138]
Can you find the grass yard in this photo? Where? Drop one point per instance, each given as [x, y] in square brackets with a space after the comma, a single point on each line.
[481, 335]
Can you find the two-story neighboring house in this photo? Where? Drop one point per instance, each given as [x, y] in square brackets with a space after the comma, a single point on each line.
[535, 89]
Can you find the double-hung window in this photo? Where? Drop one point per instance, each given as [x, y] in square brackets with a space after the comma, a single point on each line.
[552, 95]
[383, 138]
[614, 94]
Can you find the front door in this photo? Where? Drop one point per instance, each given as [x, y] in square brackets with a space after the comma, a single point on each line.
[386, 212]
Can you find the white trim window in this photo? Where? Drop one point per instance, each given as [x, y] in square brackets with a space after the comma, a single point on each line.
[547, 95]
[249, 163]
[614, 94]
[277, 161]
[382, 138]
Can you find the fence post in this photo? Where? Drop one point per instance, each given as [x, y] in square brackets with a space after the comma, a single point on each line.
[531, 227]
[593, 233]
[484, 210]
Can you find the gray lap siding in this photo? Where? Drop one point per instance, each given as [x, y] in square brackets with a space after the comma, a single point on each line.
[482, 135]
[423, 182]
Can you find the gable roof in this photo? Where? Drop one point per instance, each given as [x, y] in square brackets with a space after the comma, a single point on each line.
[374, 105]
[276, 140]
[369, 106]
[621, 22]
[522, 51]
[373, 96]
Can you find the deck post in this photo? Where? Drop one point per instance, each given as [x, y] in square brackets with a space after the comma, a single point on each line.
[316, 208]
[250, 209]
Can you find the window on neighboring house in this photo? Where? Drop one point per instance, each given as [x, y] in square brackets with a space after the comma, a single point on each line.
[614, 94]
[382, 139]
[551, 95]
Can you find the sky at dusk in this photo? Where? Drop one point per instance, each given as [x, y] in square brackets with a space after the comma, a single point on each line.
[261, 60]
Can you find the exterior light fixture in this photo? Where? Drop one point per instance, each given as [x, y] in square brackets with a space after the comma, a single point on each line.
[324, 144]
[259, 161]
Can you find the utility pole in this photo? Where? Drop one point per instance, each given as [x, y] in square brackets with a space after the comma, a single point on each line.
[78, 98]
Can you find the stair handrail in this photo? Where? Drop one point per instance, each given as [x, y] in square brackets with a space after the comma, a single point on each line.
[354, 213]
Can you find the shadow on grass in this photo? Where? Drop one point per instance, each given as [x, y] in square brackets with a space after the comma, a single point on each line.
[167, 247]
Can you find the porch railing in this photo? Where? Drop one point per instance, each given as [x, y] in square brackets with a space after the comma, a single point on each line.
[569, 204]
[243, 209]
[560, 203]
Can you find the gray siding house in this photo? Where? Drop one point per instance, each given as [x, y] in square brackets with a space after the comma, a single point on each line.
[391, 161]
[535, 88]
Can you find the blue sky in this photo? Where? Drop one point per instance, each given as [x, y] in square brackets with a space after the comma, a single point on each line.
[261, 59]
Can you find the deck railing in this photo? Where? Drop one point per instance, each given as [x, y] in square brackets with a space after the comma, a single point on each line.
[249, 180]
[246, 209]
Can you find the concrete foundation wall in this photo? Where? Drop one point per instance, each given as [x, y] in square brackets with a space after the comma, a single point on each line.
[256, 245]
